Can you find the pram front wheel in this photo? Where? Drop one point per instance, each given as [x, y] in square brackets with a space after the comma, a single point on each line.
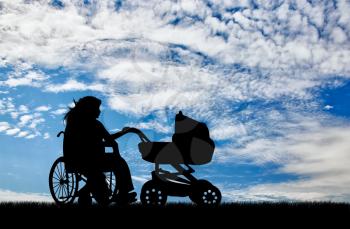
[153, 194]
[205, 194]
[63, 185]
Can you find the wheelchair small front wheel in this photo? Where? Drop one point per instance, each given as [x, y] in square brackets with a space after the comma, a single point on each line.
[63, 185]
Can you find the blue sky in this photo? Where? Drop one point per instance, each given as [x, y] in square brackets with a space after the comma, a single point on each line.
[270, 78]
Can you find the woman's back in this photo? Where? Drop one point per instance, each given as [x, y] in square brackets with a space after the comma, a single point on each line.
[83, 138]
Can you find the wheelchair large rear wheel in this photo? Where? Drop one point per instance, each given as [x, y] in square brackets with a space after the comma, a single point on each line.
[63, 185]
[111, 180]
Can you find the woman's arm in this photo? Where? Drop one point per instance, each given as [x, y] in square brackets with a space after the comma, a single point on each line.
[107, 137]
[118, 134]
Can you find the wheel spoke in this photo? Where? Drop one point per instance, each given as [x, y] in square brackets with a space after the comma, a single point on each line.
[58, 170]
[61, 170]
[58, 191]
[65, 190]
[61, 191]
[55, 178]
[55, 189]
[56, 184]
[57, 175]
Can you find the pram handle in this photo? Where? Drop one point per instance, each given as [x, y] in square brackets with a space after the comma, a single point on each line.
[141, 135]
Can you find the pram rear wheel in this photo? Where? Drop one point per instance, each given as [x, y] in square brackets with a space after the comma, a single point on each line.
[63, 185]
[153, 194]
[205, 194]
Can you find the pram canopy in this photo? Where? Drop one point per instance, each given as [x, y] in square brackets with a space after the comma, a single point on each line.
[191, 144]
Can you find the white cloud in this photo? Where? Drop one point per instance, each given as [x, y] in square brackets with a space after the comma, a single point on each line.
[11, 196]
[133, 71]
[60, 33]
[14, 114]
[227, 130]
[12, 131]
[24, 123]
[73, 85]
[338, 35]
[34, 123]
[46, 136]
[30, 136]
[25, 119]
[328, 107]
[43, 108]
[322, 152]
[23, 134]
[59, 111]
[23, 108]
[152, 125]
[139, 179]
[31, 78]
[301, 190]
[319, 155]
[6, 105]
[4, 126]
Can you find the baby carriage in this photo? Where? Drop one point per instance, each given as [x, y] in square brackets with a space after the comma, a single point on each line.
[191, 145]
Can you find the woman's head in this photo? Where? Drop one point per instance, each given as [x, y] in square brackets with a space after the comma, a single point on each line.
[87, 107]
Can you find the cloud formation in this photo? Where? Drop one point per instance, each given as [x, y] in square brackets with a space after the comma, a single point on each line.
[24, 123]
[251, 69]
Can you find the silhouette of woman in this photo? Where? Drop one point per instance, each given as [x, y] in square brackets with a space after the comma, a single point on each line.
[84, 144]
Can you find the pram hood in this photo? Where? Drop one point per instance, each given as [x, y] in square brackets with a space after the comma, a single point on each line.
[191, 144]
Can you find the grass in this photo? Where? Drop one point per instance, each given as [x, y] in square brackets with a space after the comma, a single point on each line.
[226, 206]
[175, 215]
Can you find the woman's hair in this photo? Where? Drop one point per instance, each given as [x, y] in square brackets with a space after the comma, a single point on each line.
[83, 107]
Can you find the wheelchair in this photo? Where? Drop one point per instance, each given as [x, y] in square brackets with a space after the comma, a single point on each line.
[64, 180]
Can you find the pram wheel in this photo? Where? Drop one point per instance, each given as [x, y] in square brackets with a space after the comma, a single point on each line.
[205, 194]
[153, 194]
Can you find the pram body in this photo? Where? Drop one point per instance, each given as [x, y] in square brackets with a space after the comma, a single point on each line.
[191, 145]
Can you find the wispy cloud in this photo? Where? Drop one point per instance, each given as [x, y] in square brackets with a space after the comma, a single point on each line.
[139, 179]
[11, 196]
[300, 190]
[152, 125]
[31, 78]
[319, 157]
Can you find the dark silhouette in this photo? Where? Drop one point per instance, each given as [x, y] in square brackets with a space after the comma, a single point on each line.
[191, 144]
[84, 142]
[85, 139]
